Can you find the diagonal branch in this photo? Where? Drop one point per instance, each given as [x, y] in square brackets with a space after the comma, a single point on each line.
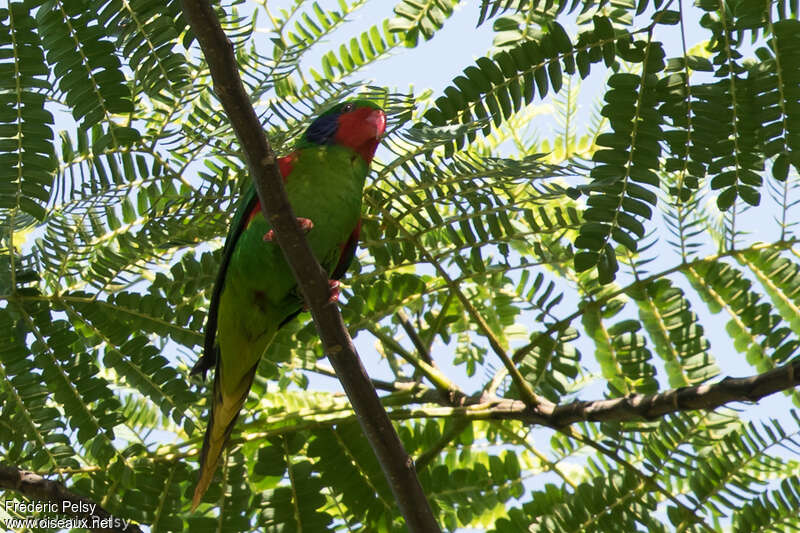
[312, 279]
[422, 350]
[86, 513]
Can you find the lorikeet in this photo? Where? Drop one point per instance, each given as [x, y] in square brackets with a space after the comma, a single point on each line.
[255, 292]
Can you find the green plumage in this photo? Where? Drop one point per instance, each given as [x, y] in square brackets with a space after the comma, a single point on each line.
[260, 291]
[256, 291]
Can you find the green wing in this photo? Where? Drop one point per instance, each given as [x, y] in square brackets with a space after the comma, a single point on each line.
[209, 358]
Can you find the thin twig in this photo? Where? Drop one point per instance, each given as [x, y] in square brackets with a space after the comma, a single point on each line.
[422, 350]
[456, 429]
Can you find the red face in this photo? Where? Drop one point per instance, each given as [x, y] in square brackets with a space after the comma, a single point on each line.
[361, 130]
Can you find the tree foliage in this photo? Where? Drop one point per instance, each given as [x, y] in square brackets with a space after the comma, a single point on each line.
[599, 259]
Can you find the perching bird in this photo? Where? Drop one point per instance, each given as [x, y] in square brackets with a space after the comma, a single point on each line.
[255, 292]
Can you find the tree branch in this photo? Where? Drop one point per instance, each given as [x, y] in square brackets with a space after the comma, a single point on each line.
[560, 417]
[90, 514]
[422, 350]
[632, 407]
[426, 457]
[331, 373]
[706, 397]
[312, 279]
[449, 389]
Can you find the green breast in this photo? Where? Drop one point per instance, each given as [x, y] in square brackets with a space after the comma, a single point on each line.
[325, 186]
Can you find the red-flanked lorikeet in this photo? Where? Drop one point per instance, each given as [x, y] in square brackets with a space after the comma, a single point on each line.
[255, 292]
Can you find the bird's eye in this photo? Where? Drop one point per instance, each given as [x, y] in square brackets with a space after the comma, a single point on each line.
[347, 108]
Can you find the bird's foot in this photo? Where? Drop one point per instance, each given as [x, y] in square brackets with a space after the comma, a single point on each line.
[304, 224]
[333, 287]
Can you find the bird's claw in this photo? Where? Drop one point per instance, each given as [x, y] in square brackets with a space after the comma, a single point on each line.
[304, 224]
[333, 287]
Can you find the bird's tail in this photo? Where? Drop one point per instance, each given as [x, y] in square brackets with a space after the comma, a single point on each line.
[224, 412]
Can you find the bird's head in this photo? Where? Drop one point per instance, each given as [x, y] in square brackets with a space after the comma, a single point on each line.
[356, 124]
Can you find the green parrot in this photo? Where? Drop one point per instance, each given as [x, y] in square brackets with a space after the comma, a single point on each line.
[255, 292]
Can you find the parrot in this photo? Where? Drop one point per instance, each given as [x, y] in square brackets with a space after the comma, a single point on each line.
[255, 292]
